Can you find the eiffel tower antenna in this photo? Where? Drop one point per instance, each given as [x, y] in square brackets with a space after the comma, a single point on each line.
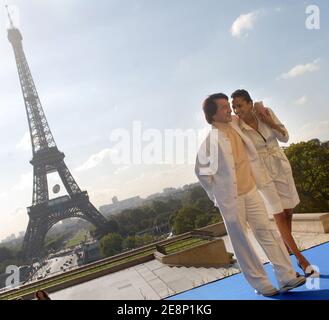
[45, 213]
[9, 17]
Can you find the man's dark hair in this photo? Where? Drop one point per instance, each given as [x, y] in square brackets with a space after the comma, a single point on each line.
[210, 106]
[244, 94]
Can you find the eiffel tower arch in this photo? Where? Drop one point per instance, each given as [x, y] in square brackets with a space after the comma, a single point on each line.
[45, 213]
[44, 216]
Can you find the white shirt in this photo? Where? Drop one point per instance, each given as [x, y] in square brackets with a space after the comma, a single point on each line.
[267, 146]
[215, 168]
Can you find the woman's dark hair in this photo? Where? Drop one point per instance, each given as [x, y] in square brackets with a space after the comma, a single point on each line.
[244, 94]
[43, 293]
[210, 106]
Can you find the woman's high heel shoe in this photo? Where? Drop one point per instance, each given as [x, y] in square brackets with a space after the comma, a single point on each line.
[306, 274]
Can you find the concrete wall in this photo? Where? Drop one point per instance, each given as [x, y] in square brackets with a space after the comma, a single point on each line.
[302, 222]
[210, 254]
[310, 222]
[217, 229]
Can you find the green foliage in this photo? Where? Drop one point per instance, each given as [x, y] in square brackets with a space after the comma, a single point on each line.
[160, 207]
[187, 219]
[144, 240]
[162, 211]
[56, 242]
[78, 238]
[133, 242]
[204, 204]
[215, 218]
[162, 218]
[111, 244]
[197, 211]
[132, 221]
[110, 227]
[310, 165]
[6, 254]
[129, 243]
[197, 193]
[201, 220]
[9, 257]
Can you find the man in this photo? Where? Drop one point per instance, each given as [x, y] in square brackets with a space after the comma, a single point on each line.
[229, 169]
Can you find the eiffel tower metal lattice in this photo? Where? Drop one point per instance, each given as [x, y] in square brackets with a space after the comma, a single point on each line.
[45, 213]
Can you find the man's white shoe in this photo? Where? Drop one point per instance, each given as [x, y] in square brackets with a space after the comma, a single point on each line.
[294, 283]
[268, 292]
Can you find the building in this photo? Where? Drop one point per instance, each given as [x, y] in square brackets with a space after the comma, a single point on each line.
[21, 234]
[118, 206]
[91, 252]
[169, 191]
[10, 238]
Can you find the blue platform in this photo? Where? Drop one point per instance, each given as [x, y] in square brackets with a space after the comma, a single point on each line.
[237, 288]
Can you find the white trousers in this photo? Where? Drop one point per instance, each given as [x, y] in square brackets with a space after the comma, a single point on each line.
[251, 210]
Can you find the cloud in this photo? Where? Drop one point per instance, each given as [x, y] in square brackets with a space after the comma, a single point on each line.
[3, 195]
[25, 182]
[96, 159]
[313, 130]
[25, 143]
[301, 69]
[301, 101]
[244, 23]
[121, 169]
[101, 197]
[164, 175]
[13, 222]
[19, 211]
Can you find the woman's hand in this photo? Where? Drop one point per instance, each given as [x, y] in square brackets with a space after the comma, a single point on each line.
[266, 117]
[263, 113]
[260, 110]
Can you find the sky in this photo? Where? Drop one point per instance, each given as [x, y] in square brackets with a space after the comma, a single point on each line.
[107, 65]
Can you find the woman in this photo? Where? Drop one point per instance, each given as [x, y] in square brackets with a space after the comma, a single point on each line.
[42, 295]
[280, 196]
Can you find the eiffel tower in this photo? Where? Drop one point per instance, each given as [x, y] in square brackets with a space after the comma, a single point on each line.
[45, 213]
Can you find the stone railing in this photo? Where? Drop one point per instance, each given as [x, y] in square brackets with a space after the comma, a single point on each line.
[310, 222]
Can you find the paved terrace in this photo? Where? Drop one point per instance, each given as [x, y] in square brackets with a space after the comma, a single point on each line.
[153, 280]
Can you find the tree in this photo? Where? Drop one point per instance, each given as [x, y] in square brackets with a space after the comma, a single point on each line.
[197, 193]
[204, 204]
[143, 240]
[9, 257]
[129, 243]
[111, 226]
[147, 239]
[201, 221]
[185, 219]
[111, 244]
[6, 254]
[162, 218]
[174, 204]
[215, 218]
[160, 207]
[56, 242]
[310, 166]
